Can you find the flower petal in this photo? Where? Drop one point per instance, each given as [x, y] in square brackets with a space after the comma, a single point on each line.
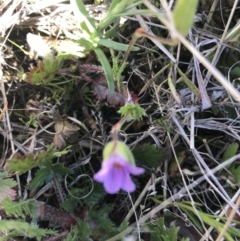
[101, 175]
[113, 180]
[115, 173]
[135, 170]
[127, 184]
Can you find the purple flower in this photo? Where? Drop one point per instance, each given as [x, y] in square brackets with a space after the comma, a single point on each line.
[116, 170]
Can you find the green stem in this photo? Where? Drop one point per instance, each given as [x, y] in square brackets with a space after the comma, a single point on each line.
[117, 127]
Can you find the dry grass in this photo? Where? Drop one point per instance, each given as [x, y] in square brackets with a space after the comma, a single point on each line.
[200, 129]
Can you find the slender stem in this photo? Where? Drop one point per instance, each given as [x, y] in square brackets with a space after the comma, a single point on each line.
[117, 127]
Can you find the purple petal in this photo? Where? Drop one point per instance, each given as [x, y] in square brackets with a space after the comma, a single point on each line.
[115, 174]
[135, 170]
[113, 180]
[128, 166]
[127, 184]
[101, 175]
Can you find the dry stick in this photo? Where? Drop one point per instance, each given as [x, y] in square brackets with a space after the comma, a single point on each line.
[9, 125]
[220, 44]
[206, 103]
[220, 190]
[184, 182]
[209, 17]
[230, 218]
[192, 119]
[227, 86]
[221, 214]
[38, 6]
[157, 43]
[40, 131]
[6, 19]
[176, 196]
[141, 196]
[137, 223]
[215, 72]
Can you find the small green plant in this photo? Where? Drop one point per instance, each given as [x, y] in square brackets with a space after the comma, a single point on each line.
[97, 226]
[32, 121]
[45, 71]
[97, 36]
[11, 229]
[133, 111]
[159, 232]
[48, 172]
[20, 228]
[82, 229]
[22, 163]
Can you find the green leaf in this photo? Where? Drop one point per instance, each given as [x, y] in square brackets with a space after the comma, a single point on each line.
[24, 229]
[115, 11]
[233, 34]
[162, 121]
[81, 231]
[97, 194]
[86, 22]
[113, 5]
[45, 70]
[112, 32]
[107, 68]
[8, 182]
[159, 232]
[70, 203]
[19, 209]
[183, 15]
[59, 169]
[106, 228]
[235, 172]
[6, 185]
[194, 219]
[213, 221]
[86, 44]
[47, 173]
[66, 150]
[189, 83]
[174, 166]
[21, 164]
[115, 45]
[150, 156]
[173, 90]
[114, 18]
[40, 177]
[230, 151]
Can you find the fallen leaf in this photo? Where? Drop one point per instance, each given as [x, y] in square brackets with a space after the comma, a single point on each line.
[66, 133]
[103, 93]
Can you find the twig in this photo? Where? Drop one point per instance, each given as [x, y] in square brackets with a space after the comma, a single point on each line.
[220, 44]
[230, 218]
[175, 197]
